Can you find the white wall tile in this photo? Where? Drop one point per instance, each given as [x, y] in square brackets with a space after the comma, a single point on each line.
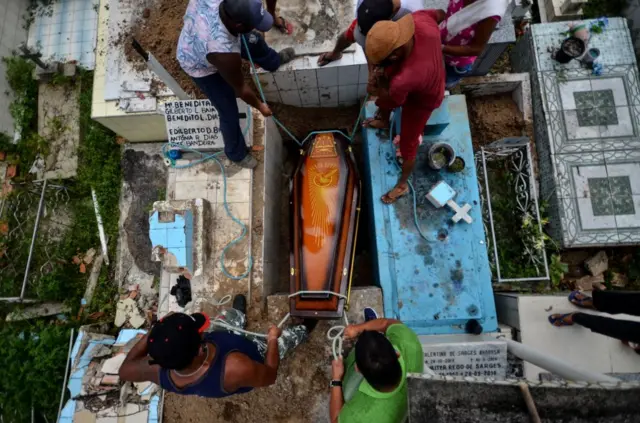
[348, 75]
[290, 97]
[347, 94]
[273, 96]
[310, 97]
[358, 56]
[285, 80]
[268, 82]
[327, 77]
[328, 96]
[363, 76]
[306, 78]
[362, 90]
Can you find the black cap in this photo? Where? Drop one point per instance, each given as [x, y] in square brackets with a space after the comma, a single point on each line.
[372, 11]
[250, 13]
[175, 340]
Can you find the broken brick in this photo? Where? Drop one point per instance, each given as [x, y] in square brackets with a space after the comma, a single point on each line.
[83, 268]
[3, 156]
[12, 171]
[4, 227]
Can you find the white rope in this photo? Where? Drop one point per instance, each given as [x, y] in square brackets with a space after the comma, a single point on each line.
[224, 300]
[335, 334]
[223, 324]
[337, 294]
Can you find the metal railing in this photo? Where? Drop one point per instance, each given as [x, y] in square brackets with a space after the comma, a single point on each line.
[32, 217]
[514, 156]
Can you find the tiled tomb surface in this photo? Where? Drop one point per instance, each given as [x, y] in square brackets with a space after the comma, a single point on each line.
[587, 136]
[303, 83]
[65, 30]
[204, 181]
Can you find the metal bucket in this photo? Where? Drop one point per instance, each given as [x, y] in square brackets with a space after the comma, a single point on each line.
[571, 48]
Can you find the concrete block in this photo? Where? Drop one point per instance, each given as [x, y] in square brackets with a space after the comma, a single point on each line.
[438, 399]
[586, 283]
[518, 84]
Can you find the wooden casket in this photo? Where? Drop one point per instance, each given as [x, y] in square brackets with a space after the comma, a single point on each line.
[325, 206]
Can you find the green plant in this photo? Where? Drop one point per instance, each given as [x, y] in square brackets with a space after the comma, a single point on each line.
[609, 8]
[557, 269]
[32, 365]
[59, 78]
[515, 231]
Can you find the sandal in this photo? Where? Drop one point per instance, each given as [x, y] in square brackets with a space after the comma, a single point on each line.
[557, 320]
[582, 301]
[286, 27]
[387, 199]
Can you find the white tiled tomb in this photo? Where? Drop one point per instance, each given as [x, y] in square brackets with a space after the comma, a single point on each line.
[587, 136]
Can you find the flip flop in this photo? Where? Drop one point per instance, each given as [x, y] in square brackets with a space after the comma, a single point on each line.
[322, 60]
[557, 320]
[394, 199]
[580, 302]
[285, 28]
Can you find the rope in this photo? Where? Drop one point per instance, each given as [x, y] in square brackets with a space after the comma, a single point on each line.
[280, 124]
[337, 294]
[244, 232]
[335, 334]
[223, 324]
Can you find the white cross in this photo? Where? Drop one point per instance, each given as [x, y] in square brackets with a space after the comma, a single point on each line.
[461, 212]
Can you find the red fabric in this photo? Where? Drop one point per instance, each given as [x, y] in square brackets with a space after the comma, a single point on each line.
[417, 84]
[349, 32]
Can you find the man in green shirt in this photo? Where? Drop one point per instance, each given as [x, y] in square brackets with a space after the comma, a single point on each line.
[374, 387]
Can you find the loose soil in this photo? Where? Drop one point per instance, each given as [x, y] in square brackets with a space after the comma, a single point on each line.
[495, 117]
[145, 176]
[157, 29]
[302, 120]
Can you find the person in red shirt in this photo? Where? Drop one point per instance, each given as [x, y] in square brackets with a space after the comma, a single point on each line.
[410, 74]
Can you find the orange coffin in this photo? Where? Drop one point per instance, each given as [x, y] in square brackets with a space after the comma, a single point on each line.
[325, 203]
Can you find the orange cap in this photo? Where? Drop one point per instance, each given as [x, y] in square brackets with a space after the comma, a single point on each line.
[386, 36]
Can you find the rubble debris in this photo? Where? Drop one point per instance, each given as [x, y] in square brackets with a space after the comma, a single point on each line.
[597, 264]
[586, 283]
[38, 310]
[127, 311]
[112, 365]
[89, 255]
[620, 280]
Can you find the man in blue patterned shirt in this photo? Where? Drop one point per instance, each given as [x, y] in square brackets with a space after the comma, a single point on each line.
[210, 50]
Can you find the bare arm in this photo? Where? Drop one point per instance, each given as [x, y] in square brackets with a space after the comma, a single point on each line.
[341, 44]
[230, 67]
[336, 400]
[243, 372]
[136, 367]
[378, 325]
[476, 46]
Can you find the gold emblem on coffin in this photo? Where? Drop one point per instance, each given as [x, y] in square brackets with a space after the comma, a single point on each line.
[322, 191]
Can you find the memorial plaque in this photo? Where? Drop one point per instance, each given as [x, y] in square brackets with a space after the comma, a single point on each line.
[196, 124]
[477, 359]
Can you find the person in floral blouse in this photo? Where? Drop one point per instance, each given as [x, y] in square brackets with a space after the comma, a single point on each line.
[465, 29]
